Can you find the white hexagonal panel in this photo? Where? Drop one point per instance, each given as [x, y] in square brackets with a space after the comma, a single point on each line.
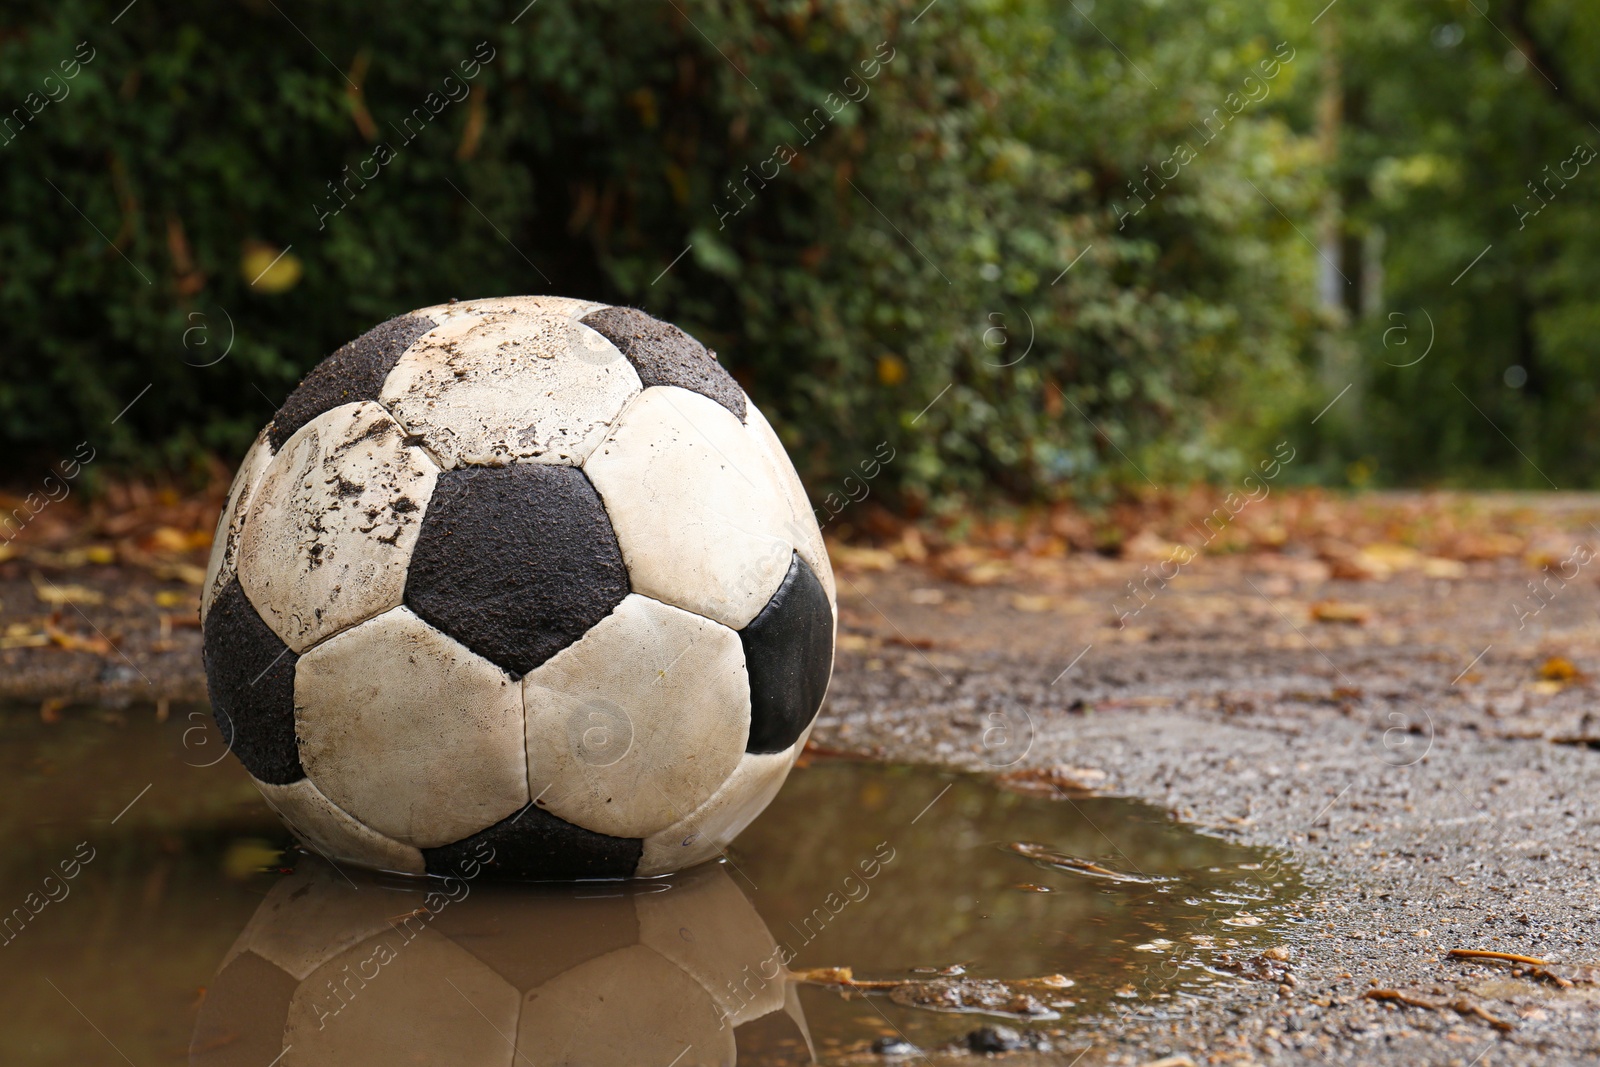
[631, 1006]
[511, 385]
[639, 722]
[230, 524]
[800, 521]
[331, 833]
[705, 832]
[410, 731]
[333, 522]
[699, 514]
[406, 996]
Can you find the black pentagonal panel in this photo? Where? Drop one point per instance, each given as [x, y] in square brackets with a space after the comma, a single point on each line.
[788, 650]
[243, 1016]
[355, 372]
[250, 676]
[665, 355]
[536, 845]
[516, 562]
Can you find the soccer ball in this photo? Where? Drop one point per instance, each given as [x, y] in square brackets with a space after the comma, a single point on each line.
[531, 572]
[352, 972]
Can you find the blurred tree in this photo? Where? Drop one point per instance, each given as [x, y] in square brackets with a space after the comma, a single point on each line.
[1471, 130]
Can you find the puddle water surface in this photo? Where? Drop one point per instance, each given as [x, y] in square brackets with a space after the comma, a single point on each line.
[176, 924]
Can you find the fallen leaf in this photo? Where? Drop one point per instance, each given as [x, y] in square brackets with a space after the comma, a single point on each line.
[1146, 547]
[71, 642]
[1439, 567]
[848, 557]
[1057, 781]
[986, 573]
[1046, 856]
[57, 595]
[168, 539]
[1032, 603]
[1027, 998]
[1558, 669]
[1341, 611]
[187, 573]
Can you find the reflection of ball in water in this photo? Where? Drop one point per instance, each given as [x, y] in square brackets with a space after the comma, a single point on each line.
[464, 973]
[530, 572]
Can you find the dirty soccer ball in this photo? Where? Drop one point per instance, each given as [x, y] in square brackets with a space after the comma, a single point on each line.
[530, 573]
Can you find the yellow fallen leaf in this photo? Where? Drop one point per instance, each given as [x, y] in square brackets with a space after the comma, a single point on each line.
[172, 598]
[187, 573]
[1031, 603]
[1340, 611]
[267, 269]
[1395, 557]
[1558, 669]
[169, 539]
[850, 557]
[57, 595]
[19, 636]
[1437, 567]
[986, 573]
[248, 856]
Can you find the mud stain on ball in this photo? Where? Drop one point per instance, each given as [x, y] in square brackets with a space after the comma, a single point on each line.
[355, 372]
[665, 355]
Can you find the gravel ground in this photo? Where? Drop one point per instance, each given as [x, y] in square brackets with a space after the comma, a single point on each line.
[1431, 767]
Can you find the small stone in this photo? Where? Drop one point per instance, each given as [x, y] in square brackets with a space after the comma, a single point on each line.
[994, 1039]
[894, 1046]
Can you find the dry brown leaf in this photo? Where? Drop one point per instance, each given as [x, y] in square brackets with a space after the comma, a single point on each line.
[71, 642]
[1558, 669]
[1383, 559]
[1057, 781]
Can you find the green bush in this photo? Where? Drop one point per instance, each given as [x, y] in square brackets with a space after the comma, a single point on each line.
[894, 274]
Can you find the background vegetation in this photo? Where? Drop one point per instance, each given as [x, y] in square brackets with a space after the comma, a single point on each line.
[904, 278]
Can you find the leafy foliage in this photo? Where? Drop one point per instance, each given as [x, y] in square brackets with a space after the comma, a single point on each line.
[902, 277]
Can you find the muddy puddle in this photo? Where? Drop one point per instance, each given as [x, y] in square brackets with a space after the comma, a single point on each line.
[152, 911]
